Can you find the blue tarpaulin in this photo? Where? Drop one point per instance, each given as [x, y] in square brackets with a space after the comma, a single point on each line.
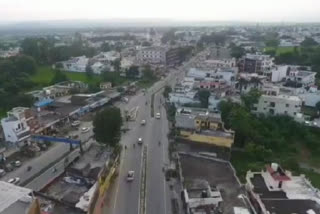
[43, 103]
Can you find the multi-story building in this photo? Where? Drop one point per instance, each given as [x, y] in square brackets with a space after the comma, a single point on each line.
[256, 63]
[159, 56]
[302, 78]
[277, 191]
[152, 55]
[15, 126]
[202, 126]
[75, 64]
[278, 105]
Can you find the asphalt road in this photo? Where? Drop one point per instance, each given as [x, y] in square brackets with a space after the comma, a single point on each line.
[126, 195]
[41, 162]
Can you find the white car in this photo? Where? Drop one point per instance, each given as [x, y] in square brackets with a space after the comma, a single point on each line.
[75, 123]
[143, 122]
[14, 180]
[158, 116]
[85, 129]
[17, 163]
[140, 140]
[130, 176]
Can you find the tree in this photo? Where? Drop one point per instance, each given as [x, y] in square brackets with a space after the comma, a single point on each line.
[251, 98]
[132, 72]
[116, 64]
[309, 42]
[107, 126]
[272, 43]
[59, 76]
[204, 97]
[148, 73]
[105, 47]
[146, 44]
[167, 90]
[237, 52]
[25, 64]
[89, 71]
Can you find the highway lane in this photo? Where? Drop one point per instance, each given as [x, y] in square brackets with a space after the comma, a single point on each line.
[125, 197]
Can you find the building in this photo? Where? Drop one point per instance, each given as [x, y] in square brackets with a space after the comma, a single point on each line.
[201, 197]
[182, 98]
[202, 126]
[256, 63]
[276, 191]
[278, 105]
[105, 85]
[15, 127]
[16, 200]
[159, 56]
[301, 78]
[152, 55]
[278, 73]
[75, 64]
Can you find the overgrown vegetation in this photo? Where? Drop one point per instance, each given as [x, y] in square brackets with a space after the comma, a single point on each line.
[107, 126]
[269, 139]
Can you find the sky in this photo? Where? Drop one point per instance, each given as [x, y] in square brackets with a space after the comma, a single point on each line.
[177, 10]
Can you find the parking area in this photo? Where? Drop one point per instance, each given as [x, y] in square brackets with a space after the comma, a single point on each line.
[219, 174]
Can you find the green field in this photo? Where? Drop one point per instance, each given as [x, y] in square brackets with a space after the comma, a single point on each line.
[279, 50]
[45, 74]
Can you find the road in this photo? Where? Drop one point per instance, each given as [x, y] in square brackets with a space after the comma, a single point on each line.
[40, 163]
[125, 197]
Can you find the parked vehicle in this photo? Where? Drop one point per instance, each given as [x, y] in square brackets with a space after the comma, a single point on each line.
[158, 116]
[85, 129]
[72, 180]
[2, 172]
[14, 180]
[17, 163]
[130, 176]
[140, 141]
[143, 122]
[75, 123]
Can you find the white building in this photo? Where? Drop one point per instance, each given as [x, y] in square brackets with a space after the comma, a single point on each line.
[183, 98]
[152, 55]
[75, 64]
[97, 67]
[107, 57]
[305, 78]
[275, 190]
[219, 63]
[279, 105]
[15, 127]
[278, 73]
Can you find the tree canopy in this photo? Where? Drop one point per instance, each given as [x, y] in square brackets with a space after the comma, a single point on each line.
[204, 97]
[107, 126]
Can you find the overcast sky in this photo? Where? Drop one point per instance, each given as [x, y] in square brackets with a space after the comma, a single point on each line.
[206, 10]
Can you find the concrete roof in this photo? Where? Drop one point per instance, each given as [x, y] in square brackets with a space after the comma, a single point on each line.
[11, 194]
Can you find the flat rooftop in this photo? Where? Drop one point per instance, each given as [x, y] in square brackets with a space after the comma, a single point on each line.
[218, 174]
[14, 198]
[277, 202]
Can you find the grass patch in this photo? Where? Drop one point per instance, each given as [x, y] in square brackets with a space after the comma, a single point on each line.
[310, 111]
[280, 50]
[313, 177]
[44, 75]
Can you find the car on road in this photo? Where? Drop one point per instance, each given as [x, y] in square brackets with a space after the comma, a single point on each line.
[85, 129]
[75, 123]
[16, 163]
[15, 180]
[158, 116]
[2, 172]
[143, 122]
[130, 176]
[140, 140]
[72, 180]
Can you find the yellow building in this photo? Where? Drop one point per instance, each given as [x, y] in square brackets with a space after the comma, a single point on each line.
[205, 128]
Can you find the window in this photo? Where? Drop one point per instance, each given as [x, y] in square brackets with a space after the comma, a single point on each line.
[294, 113]
[271, 111]
[254, 108]
[287, 105]
[285, 112]
[272, 104]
